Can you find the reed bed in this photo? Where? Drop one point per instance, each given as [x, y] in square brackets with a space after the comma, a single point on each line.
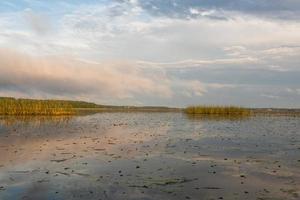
[218, 110]
[34, 120]
[12, 106]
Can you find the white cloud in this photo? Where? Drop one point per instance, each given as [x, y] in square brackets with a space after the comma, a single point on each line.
[269, 96]
[194, 11]
[213, 63]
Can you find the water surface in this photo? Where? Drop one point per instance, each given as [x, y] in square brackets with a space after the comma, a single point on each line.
[149, 156]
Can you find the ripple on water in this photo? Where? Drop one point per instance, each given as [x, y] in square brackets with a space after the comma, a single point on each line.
[149, 156]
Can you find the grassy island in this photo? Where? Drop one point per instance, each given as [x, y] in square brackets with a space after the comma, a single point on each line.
[218, 110]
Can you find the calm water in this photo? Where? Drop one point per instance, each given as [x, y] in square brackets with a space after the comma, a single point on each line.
[149, 156]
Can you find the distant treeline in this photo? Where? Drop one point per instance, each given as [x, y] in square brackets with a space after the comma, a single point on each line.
[13, 106]
[81, 104]
[218, 110]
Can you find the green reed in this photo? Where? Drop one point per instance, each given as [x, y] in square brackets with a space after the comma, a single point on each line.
[218, 110]
[12, 106]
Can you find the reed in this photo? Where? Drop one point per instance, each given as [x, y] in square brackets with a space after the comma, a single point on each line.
[12, 106]
[218, 110]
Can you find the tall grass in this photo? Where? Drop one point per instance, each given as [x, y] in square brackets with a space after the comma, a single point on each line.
[11, 106]
[33, 120]
[218, 110]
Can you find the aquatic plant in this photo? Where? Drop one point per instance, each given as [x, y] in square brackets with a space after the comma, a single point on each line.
[33, 120]
[218, 110]
[12, 106]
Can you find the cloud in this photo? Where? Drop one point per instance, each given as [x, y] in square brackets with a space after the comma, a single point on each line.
[108, 82]
[280, 9]
[168, 39]
[269, 96]
[57, 76]
[133, 83]
[154, 52]
[39, 23]
[213, 63]
[108, 30]
[190, 88]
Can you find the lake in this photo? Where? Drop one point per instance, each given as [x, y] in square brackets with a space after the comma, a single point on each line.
[149, 156]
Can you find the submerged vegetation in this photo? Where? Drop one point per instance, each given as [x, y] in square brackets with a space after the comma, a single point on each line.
[218, 110]
[12, 106]
[34, 120]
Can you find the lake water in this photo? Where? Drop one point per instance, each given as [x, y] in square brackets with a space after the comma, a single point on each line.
[149, 156]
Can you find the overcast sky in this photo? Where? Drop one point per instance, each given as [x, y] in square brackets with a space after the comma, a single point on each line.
[154, 52]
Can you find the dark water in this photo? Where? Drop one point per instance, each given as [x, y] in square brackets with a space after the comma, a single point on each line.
[149, 156]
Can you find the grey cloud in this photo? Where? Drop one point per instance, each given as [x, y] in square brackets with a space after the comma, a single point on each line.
[253, 96]
[283, 9]
[277, 66]
[240, 76]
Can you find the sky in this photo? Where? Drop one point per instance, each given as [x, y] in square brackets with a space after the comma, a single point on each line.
[154, 52]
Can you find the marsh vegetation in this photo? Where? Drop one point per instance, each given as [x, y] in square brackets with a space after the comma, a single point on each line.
[218, 110]
[12, 106]
[34, 107]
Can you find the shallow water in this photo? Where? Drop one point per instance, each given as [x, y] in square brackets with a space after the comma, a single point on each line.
[149, 156]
